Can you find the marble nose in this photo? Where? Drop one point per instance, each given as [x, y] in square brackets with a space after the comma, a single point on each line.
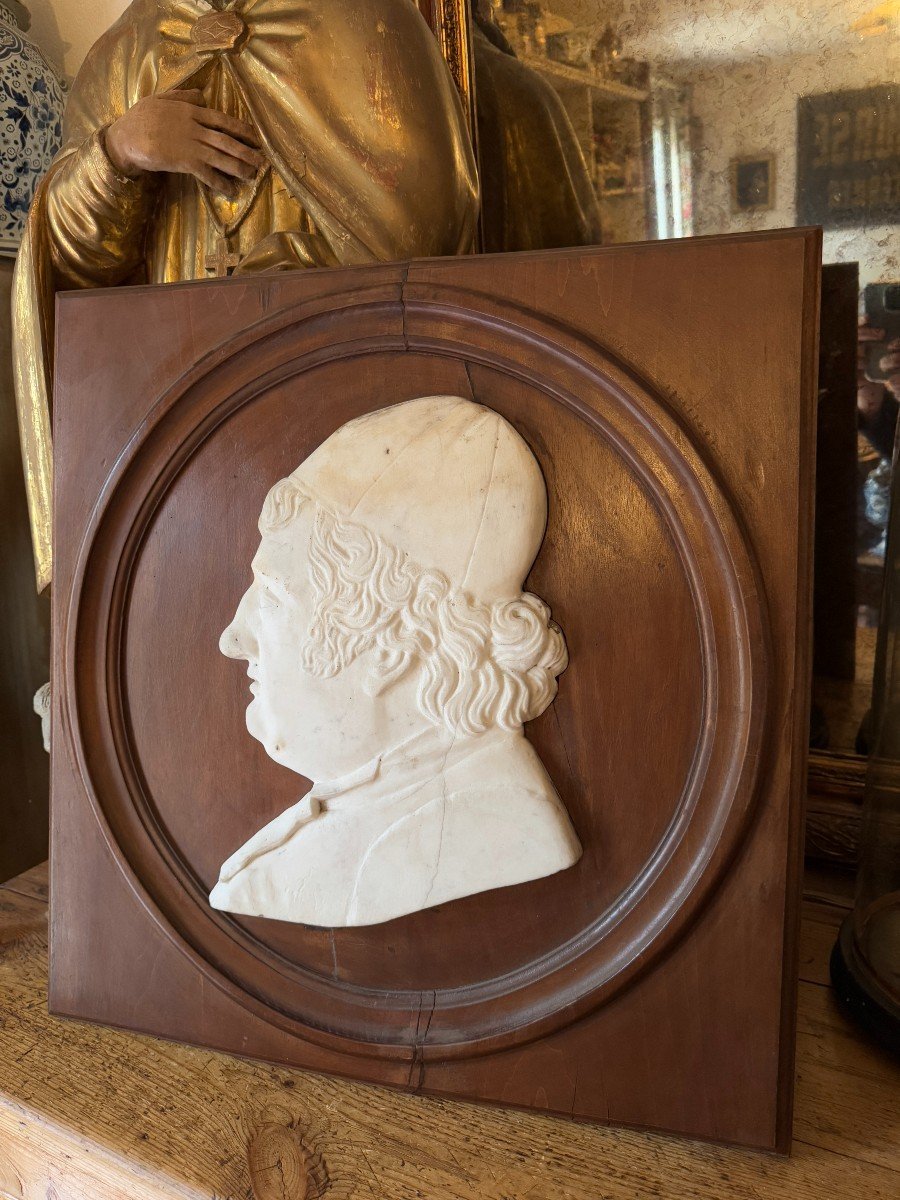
[237, 639]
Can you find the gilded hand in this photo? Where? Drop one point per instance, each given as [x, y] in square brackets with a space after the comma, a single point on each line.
[176, 132]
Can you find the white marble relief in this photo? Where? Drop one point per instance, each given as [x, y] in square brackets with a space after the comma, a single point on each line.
[394, 660]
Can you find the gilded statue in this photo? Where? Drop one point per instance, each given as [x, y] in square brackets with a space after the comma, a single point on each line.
[215, 136]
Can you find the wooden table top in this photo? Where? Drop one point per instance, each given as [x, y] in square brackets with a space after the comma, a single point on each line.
[88, 1114]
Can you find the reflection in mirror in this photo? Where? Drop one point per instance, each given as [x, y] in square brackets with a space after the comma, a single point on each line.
[537, 190]
[625, 120]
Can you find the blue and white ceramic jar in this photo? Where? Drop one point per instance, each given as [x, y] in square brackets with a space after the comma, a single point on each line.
[32, 98]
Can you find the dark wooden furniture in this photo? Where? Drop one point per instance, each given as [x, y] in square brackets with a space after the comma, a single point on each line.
[672, 414]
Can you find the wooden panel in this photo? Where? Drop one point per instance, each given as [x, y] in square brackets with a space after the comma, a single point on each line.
[646, 986]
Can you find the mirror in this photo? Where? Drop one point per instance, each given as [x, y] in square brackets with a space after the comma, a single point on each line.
[624, 120]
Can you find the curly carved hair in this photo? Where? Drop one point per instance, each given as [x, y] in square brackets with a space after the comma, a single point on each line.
[482, 665]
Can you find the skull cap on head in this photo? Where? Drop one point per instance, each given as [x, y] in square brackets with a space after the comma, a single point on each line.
[449, 482]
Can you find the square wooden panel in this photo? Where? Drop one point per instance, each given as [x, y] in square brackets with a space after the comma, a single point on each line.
[667, 392]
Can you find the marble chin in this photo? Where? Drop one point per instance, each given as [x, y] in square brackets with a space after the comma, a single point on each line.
[394, 660]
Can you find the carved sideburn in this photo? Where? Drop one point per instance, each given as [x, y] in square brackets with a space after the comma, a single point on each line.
[652, 982]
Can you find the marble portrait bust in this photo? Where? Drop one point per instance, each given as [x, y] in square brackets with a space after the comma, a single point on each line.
[394, 660]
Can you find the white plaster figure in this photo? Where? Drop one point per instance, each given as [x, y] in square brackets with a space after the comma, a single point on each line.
[42, 708]
[394, 660]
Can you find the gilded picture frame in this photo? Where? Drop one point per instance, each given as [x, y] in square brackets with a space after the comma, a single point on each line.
[451, 22]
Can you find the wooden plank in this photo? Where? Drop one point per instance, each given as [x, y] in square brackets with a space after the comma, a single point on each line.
[88, 1113]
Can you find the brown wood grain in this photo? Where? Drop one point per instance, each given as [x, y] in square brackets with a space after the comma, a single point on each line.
[88, 1113]
[281, 1167]
[635, 374]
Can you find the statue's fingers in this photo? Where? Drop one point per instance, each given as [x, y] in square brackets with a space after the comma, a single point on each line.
[231, 146]
[215, 180]
[227, 165]
[211, 118]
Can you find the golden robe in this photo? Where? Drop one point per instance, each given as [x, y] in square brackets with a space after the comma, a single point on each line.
[369, 160]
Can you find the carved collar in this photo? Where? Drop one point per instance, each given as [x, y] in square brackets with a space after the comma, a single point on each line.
[392, 780]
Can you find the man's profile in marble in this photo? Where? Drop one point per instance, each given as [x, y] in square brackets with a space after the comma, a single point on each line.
[394, 659]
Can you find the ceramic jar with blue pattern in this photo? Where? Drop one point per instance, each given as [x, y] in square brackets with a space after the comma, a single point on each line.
[32, 98]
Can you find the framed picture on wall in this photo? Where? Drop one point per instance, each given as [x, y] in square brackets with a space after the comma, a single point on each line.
[753, 183]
